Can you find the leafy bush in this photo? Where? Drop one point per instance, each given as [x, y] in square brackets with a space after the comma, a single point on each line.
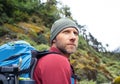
[87, 82]
[3, 31]
[22, 37]
[42, 47]
[20, 16]
[101, 78]
[41, 39]
[3, 18]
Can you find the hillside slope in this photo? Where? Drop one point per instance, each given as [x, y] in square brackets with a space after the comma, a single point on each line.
[88, 63]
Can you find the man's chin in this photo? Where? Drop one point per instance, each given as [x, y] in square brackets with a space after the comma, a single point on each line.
[70, 51]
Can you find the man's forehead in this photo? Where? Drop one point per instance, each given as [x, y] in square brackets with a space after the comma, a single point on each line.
[70, 28]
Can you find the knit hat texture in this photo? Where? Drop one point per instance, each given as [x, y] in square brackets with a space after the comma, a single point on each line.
[61, 24]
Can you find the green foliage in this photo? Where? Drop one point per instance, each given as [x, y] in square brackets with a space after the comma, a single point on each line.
[16, 9]
[20, 16]
[42, 47]
[101, 78]
[65, 10]
[3, 31]
[82, 43]
[50, 11]
[22, 37]
[3, 18]
[87, 82]
[114, 68]
[41, 39]
[21, 10]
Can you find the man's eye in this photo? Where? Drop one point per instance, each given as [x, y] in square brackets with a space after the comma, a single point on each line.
[76, 33]
[66, 32]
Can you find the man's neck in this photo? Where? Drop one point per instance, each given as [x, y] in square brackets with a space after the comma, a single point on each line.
[55, 49]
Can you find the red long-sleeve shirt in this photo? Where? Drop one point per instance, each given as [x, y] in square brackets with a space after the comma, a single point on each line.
[53, 69]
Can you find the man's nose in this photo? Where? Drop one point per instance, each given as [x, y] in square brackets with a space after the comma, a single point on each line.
[72, 37]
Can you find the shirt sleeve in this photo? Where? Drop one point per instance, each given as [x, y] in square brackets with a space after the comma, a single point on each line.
[53, 69]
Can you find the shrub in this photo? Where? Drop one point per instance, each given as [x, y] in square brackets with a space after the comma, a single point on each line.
[3, 31]
[20, 16]
[87, 82]
[41, 39]
[3, 18]
[42, 47]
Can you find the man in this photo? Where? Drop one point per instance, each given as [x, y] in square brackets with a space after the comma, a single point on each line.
[55, 68]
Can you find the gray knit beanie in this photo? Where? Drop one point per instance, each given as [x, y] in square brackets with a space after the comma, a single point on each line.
[59, 25]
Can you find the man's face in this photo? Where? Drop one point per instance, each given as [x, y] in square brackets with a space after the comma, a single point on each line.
[67, 40]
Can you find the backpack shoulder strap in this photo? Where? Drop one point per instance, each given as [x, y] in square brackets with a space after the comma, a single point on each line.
[35, 56]
[39, 54]
[74, 77]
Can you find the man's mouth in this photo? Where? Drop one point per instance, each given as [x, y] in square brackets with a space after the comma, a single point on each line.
[71, 44]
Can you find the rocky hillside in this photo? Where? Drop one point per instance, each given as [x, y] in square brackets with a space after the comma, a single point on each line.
[31, 21]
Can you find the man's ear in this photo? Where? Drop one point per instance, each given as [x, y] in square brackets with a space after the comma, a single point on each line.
[54, 41]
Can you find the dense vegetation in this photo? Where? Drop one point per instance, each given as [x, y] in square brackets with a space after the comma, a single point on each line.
[30, 20]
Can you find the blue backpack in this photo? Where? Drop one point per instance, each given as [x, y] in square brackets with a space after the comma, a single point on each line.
[17, 60]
